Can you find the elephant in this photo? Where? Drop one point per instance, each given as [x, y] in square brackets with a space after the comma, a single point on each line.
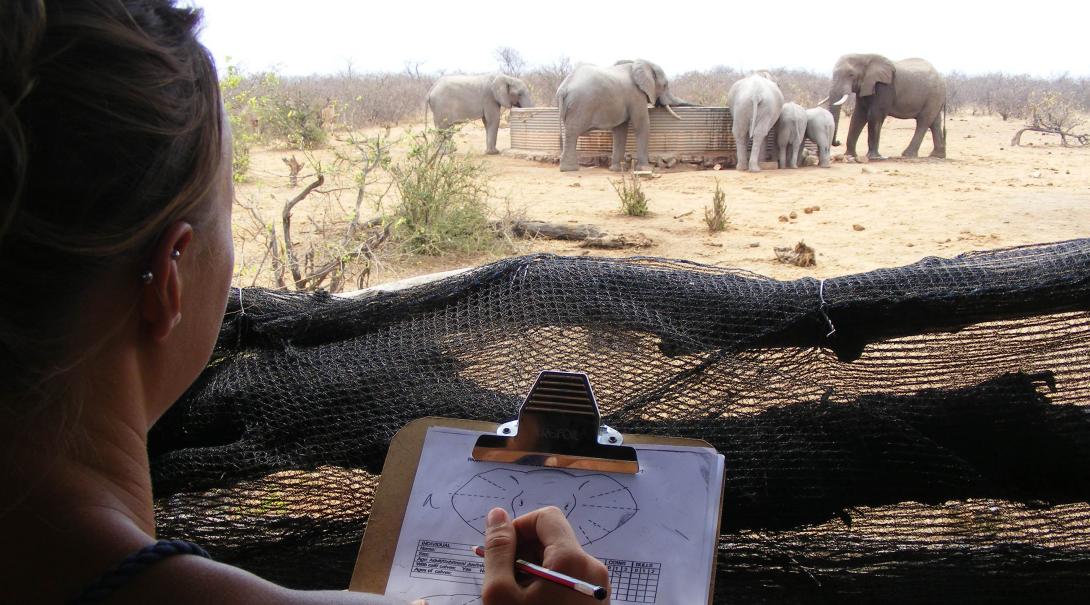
[456, 99]
[907, 89]
[819, 129]
[755, 103]
[790, 132]
[612, 98]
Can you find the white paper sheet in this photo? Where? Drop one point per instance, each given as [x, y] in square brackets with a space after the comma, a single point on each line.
[654, 530]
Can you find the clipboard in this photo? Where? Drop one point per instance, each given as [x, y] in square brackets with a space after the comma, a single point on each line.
[558, 426]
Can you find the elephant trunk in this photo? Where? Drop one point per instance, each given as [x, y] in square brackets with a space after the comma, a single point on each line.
[835, 110]
[837, 95]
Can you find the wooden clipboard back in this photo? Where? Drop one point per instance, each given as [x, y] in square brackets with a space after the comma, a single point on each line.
[376, 555]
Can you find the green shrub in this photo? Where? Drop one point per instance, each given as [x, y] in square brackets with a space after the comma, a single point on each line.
[716, 216]
[633, 199]
[443, 199]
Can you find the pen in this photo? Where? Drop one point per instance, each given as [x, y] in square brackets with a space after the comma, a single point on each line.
[554, 576]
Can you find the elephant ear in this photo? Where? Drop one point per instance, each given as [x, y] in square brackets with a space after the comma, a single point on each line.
[644, 78]
[501, 90]
[880, 69]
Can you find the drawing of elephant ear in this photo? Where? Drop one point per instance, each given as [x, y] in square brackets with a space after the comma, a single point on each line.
[483, 492]
[602, 506]
[644, 78]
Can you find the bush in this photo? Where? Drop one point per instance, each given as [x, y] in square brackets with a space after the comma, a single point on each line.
[443, 199]
[716, 216]
[633, 199]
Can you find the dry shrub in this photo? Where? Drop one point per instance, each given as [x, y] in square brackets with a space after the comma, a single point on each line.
[800, 256]
[716, 216]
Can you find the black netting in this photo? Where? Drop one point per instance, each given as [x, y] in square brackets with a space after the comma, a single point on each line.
[934, 448]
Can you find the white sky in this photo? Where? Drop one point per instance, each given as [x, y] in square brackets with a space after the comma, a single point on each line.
[323, 36]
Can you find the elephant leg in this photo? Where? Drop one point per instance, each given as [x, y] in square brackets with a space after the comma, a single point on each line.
[824, 152]
[641, 126]
[913, 149]
[874, 134]
[741, 149]
[781, 161]
[793, 160]
[938, 138]
[855, 128]
[569, 156]
[491, 129]
[620, 140]
[757, 148]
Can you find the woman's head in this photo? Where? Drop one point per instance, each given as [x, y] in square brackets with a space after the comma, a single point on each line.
[112, 148]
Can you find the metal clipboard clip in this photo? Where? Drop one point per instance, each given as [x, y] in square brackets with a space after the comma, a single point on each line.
[559, 426]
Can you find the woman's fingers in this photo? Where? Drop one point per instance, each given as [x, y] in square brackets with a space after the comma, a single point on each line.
[499, 561]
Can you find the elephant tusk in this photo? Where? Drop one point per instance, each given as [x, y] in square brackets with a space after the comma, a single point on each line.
[822, 102]
[671, 110]
[842, 99]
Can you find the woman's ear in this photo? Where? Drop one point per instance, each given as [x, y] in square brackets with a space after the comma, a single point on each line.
[161, 296]
[644, 78]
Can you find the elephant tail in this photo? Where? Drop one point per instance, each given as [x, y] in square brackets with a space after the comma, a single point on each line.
[753, 116]
[560, 111]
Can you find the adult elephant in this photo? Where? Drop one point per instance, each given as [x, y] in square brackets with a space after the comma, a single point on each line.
[456, 99]
[907, 89]
[755, 105]
[612, 98]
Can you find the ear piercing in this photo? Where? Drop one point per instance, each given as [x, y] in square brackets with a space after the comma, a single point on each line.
[147, 276]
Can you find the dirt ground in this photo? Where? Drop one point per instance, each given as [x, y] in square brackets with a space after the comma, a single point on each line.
[985, 195]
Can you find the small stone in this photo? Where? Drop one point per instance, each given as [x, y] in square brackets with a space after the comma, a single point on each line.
[911, 245]
[793, 214]
[576, 184]
[755, 244]
[783, 219]
[1036, 174]
[866, 170]
[858, 227]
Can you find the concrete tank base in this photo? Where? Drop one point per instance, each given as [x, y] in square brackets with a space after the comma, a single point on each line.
[701, 138]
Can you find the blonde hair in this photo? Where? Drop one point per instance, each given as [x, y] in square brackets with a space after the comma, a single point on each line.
[110, 129]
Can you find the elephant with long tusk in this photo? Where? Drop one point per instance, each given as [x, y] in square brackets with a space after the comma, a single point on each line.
[612, 98]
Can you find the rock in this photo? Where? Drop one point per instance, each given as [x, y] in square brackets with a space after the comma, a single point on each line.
[811, 209]
[783, 218]
[793, 214]
[576, 184]
[755, 244]
[858, 227]
[810, 160]
[1036, 174]
[866, 170]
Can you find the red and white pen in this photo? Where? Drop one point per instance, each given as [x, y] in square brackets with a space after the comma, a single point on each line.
[554, 576]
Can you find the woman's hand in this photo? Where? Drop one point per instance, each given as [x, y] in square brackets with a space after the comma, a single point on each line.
[543, 536]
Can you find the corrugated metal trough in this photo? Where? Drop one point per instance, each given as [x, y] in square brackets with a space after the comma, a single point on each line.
[702, 136]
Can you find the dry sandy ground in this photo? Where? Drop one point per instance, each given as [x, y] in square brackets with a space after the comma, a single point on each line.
[985, 195]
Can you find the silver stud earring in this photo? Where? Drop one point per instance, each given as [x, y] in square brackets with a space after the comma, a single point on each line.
[175, 254]
[147, 276]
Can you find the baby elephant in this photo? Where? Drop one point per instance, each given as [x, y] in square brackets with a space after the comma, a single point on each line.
[790, 132]
[456, 99]
[819, 129]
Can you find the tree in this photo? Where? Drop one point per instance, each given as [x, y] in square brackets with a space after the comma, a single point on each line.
[1053, 112]
[510, 60]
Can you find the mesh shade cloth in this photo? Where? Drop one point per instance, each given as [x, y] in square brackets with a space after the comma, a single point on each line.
[934, 447]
